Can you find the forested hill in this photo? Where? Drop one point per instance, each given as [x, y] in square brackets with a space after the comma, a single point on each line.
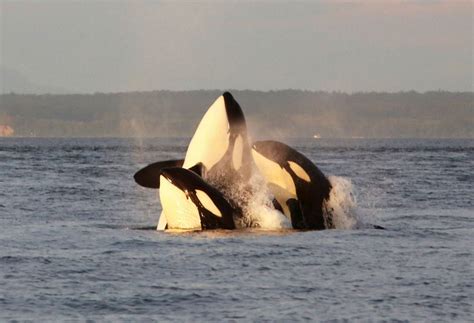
[273, 114]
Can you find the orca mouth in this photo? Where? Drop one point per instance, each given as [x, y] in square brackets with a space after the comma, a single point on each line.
[256, 147]
[167, 175]
[174, 175]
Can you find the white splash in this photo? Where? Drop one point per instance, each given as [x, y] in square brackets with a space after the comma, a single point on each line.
[260, 208]
[257, 207]
[258, 211]
[342, 205]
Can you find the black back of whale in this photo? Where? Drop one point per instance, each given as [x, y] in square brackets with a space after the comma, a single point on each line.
[306, 212]
[189, 181]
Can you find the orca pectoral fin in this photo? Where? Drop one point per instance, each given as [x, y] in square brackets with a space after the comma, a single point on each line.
[277, 206]
[296, 215]
[149, 176]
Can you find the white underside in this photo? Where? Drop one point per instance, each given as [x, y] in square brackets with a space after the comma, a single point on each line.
[181, 212]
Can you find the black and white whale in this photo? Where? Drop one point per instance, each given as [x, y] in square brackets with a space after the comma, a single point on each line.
[297, 184]
[218, 170]
[192, 204]
[220, 145]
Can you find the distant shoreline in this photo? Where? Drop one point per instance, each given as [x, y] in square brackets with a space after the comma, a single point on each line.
[277, 114]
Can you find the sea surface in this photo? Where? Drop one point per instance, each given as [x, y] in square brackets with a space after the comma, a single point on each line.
[76, 243]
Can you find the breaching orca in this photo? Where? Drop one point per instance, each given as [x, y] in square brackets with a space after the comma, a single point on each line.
[149, 176]
[212, 187]
[297, 184]
[220, 144]
[199, 170]
[191, 203]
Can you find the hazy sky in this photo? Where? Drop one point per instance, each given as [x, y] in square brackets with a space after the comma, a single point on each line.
[111, 46]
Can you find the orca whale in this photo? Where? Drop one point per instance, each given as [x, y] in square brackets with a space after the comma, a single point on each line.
[297, 184]
[211, 187]
[198, 169]
[191, 203]
[149, 177]
[220, 144]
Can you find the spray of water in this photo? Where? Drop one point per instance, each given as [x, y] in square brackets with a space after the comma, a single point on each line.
[342, 206]
[258, 211]
[255, 200]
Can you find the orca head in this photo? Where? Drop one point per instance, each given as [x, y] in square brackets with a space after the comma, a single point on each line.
[221, 143]
[235, 115]
[298, 166]
[199, 197]
[179, 211]
[298, 185]
[222, 125]
[272, 150]
[180, 177]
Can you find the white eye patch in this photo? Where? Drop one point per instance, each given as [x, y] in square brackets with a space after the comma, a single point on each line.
[237, 153]
[207, 202]
[274, 174]
[299, 171]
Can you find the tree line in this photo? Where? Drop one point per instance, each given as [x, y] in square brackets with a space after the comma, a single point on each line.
[277, 114]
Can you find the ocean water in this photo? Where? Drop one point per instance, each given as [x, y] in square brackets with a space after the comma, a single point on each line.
[75, 242]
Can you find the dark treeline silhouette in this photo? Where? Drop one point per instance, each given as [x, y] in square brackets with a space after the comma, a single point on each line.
[273, 114]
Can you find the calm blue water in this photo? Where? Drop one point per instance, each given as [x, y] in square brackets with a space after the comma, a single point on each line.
[70, 247]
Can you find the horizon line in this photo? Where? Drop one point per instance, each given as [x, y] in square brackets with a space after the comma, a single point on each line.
[243, 90]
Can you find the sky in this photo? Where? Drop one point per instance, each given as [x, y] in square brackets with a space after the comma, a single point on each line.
[350, 46]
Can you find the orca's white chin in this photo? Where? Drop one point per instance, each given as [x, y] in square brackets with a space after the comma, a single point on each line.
[180, 212]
